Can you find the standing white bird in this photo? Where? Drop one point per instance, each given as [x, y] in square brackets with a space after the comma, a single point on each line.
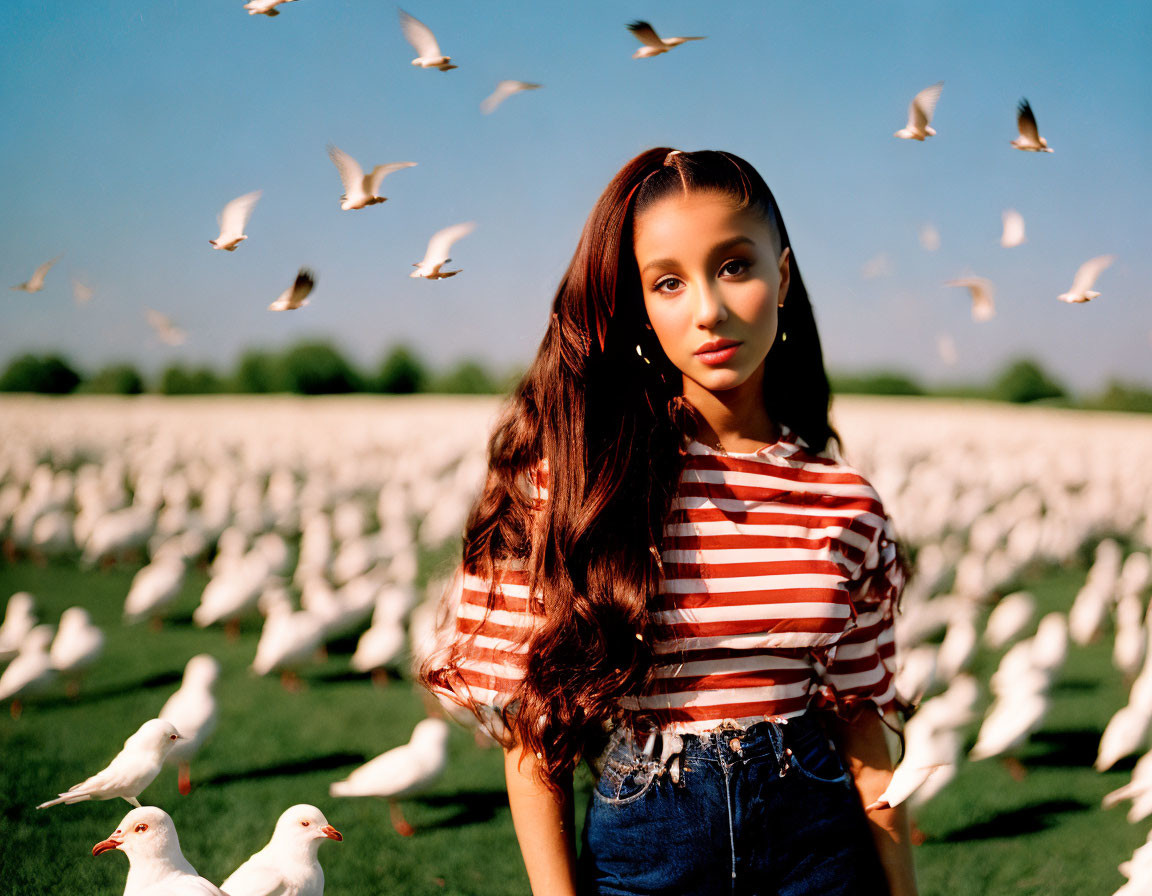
[1009, 619]
[423, 41]
[1013, 234]
[1029, 139]
[288, 865]
[35, 283]
[154, 587]
[1085, 278]
[982, 292]
[296, 295]
[233, 219]
[31, 671]
[192, 710]
[654, 45]
[164, 328]
[504, 90]
[436, 255]
[19, 619]
[402, 771]
[360, 189]
[78, 643]
[133, 769]
[920, 114]
[264, 7]
[156, 866]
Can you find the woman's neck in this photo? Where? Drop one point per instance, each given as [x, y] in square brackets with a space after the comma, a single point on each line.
[735, 419]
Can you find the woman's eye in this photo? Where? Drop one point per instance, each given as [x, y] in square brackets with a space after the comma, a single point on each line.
[734, 267]
[670, 284]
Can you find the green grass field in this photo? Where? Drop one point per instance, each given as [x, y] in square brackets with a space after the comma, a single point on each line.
[986, 833]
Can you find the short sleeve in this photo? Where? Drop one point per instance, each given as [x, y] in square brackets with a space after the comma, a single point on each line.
[861, 666]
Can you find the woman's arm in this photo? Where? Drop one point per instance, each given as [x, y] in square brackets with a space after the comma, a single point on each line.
[864, 745]
[544, 823]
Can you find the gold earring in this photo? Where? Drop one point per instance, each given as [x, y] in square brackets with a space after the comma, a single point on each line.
[783, 335]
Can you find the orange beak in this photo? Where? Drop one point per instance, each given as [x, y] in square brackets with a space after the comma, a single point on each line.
[330, 832]
[105, 845]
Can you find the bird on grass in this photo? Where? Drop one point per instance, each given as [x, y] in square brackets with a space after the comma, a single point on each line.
[982, 291]
[654, 45]
[156, 866]
[133, 769]
[359, 189]
[1029, 139]
[920, 114]
[31, 671]
[35, 283]
[19, 619]
[1085, 279]
[296, 295]
[504, 90]
[232, 220]
[77, 645]
[436, 255]
[192, 709]
[424, 42]
[288, 865]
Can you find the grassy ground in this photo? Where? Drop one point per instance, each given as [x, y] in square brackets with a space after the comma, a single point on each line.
[987, 833]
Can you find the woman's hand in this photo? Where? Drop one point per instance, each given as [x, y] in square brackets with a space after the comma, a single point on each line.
[863, 744]
[545, 825]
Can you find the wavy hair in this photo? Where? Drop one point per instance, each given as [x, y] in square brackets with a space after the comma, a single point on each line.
[611, 427]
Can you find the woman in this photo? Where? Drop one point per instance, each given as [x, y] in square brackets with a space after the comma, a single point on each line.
[670, 574]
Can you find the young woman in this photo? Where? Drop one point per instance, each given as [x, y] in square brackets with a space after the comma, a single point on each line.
[671, 573]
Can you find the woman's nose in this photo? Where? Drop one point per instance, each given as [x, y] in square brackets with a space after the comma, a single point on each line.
[709, 308]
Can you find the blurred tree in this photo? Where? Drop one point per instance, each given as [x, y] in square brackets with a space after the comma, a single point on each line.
[316, 368]
[1121, 396]
[1024, 380]
[468, 377]
[401, 373]
[50, 375]
[261, 372]
[877, 382]
[180, 380]
[115, 379]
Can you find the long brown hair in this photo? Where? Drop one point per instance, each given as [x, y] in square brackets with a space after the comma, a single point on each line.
[611, 427]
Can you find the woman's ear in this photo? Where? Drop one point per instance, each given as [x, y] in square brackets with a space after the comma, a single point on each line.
[785, 273]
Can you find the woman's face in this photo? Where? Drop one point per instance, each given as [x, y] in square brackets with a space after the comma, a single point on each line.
[710, 272]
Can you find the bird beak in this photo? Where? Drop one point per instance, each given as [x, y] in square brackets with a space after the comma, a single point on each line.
[330, 832]
[105, 845]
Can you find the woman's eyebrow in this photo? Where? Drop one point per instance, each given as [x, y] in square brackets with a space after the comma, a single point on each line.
[718, 249]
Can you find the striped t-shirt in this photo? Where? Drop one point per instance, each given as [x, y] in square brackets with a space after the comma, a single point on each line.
[778, 593]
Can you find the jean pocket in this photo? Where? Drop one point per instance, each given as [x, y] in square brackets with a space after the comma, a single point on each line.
[626, 772]
[815, 756]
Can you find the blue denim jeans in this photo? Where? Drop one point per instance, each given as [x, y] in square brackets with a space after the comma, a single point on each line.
[766, 811]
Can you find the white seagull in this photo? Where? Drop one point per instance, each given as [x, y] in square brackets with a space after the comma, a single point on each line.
[982, 291]
[654, 45]
[1013, 234]
[437, 254]
[1085, 278]
[424, 42]
[35, 283]
[78, 643]
[288, 865]
[19, 619]
[133, 769]
[1029, 139]
[31, 671]
[264, 7]
[504, 90]
[920, 114]
[296, 295]
[156, 866]
[192, 710]
[360, 189]
[165, 330]
[232, 220]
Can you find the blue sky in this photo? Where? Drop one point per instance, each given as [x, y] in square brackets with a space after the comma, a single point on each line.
[129, 125]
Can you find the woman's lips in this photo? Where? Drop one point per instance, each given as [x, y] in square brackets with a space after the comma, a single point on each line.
[718, 356]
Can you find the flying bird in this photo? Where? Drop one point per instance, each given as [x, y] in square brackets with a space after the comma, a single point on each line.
[165, 329]
[982, 292]
[35, 283]
[287, 866]
[81, 292]
[133, 769]
[424, 42]
[654, 45]
[296, 295]
[1029, 139]
[438, 248]
[920, 114]
[157, 867]
[264, 7]
[504, 90]
[1013, 234]
[1081, 290]
[929, 237]
[360, 190]
[232, 220]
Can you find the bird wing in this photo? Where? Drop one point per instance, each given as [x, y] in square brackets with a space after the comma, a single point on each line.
[1089, 271]
[647, 35]
[37, 278]
[504, 90]
[236, 213]
[441, 243]
[419, 35]
[981, 290]
[382, 171]
[351, 174]
[1026, 122]
[305, 280]
[923, 105]
[256, 877]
